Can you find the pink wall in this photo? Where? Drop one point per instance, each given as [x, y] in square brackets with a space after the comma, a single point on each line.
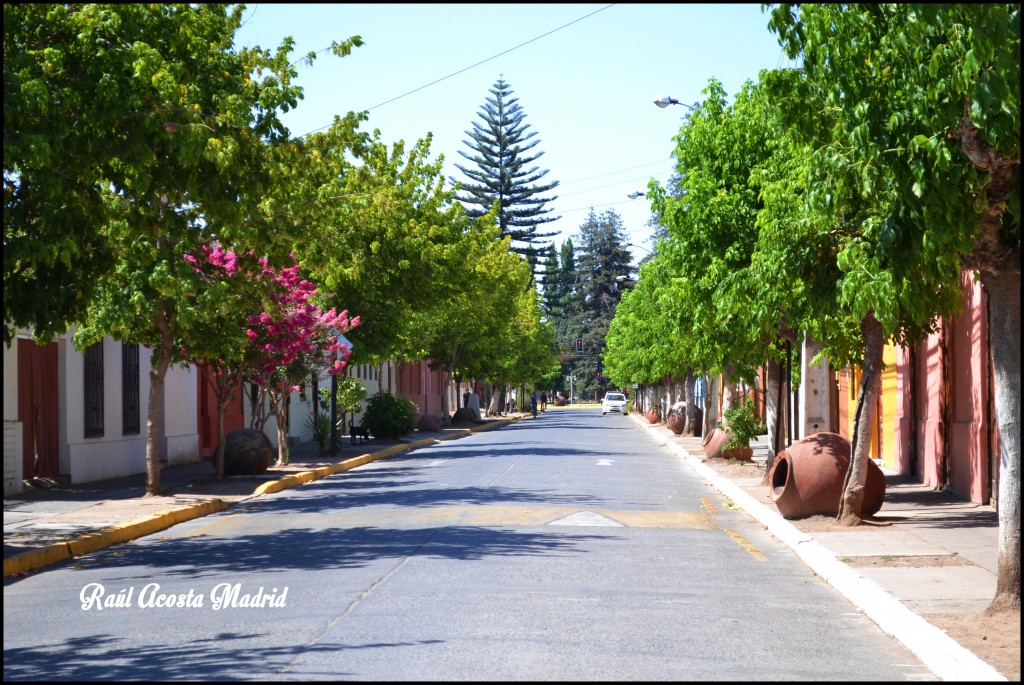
[928, 407]
[968, 450]
[904, 419]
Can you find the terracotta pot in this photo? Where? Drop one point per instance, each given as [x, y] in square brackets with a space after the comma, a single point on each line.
[652, 416]
[714, 447]
[807, 478]
[676, 422]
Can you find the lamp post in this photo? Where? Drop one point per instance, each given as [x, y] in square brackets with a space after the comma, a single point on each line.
[571, 393]
[667, 100]
[635, 194]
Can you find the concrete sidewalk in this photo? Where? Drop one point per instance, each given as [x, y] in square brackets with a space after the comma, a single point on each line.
[932, 554]
[45, 527]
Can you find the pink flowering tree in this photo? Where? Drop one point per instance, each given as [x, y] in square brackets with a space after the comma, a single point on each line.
[292, 342]
[290, 337]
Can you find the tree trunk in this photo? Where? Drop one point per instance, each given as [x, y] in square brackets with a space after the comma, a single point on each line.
[160, 361]
[729, 392]
[775, 412]
[1004, 317]
[690, 426]
[711, 406]
[281, 414]
[851, 502]
[494, 405]
[220, 390]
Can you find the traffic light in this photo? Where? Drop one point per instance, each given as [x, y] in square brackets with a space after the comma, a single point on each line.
[579, 344]
[600, 368]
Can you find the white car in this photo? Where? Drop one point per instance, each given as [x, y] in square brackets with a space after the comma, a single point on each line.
[613, 402]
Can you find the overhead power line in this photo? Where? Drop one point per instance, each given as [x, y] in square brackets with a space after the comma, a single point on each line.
[490, 58]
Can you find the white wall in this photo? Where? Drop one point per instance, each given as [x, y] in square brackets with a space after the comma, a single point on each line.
[115, 454]
[12, 427]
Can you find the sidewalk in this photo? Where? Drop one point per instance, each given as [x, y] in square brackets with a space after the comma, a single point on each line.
[924, 570]
[931, 563]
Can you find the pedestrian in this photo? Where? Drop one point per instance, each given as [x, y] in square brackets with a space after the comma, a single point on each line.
[465, 399]
[533, 404]
[543, 401]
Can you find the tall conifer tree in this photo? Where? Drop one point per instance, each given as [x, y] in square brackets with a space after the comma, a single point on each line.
[500, 150]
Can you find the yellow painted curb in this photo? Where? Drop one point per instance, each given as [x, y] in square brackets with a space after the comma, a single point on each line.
[90, 542]
[37, 558]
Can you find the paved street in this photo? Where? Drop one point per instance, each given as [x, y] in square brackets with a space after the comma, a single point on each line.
[570, 547]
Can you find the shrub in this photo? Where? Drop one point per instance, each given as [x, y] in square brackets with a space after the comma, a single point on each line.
[744, 424]
[389, 416]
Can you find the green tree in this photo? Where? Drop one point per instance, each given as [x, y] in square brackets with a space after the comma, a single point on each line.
[503, 172]
[173, 128]
[923, 103]
[602, 257]
[467, 338]
[550, 283]
[384, 237]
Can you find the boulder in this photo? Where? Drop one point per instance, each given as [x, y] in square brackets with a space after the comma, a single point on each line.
[464, 415]
[429, 423]
[247, 452]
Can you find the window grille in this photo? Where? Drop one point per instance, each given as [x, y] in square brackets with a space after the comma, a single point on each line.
[92, 381]
[130, 419]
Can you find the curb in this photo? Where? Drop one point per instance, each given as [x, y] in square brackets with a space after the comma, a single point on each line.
[36, 559]
[943, 655]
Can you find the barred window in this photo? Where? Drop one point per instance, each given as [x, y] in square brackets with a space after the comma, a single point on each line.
[92, 381]
[130, 420]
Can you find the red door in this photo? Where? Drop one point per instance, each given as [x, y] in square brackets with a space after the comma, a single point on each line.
[37, 409]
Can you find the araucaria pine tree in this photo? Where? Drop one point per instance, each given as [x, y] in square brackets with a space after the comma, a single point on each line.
[504, 171]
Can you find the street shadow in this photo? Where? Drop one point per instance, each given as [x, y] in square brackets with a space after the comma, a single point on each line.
[238, 657]
[308, 549]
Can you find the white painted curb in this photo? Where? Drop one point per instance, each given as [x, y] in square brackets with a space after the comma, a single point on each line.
[943, 655]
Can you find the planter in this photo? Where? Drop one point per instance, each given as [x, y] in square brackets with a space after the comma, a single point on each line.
[807, 478]
[714, 447]
[676, 421]
[559, 401]
[652, 416]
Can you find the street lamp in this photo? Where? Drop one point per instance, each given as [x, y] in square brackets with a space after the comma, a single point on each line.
[667, 100]
[635, 194]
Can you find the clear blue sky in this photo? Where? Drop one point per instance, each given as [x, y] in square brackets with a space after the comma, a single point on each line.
[585, 83]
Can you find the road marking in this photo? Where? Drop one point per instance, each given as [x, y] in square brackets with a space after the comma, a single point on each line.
[754, 551]
[469, 515]
[604, 462]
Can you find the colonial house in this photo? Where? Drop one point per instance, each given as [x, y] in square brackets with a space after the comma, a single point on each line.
[76, 417]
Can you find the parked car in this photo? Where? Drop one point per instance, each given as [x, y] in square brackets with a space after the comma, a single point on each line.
[613, 402]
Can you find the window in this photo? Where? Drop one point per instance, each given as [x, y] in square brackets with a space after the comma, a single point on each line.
[92, 381]
[130, 389]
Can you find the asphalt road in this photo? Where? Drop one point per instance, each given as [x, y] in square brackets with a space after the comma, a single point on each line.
[567, 547]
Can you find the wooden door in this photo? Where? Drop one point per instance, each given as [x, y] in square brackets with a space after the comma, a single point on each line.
[37, 409]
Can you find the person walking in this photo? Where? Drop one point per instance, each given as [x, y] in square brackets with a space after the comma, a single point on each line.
[533, 404]
[543, 401]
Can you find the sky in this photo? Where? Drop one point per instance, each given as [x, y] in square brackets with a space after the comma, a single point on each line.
[585, 75]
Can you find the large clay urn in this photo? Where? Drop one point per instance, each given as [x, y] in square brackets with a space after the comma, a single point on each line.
[652, 416]
[807, 478]
[714, 447]
[676, 420]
